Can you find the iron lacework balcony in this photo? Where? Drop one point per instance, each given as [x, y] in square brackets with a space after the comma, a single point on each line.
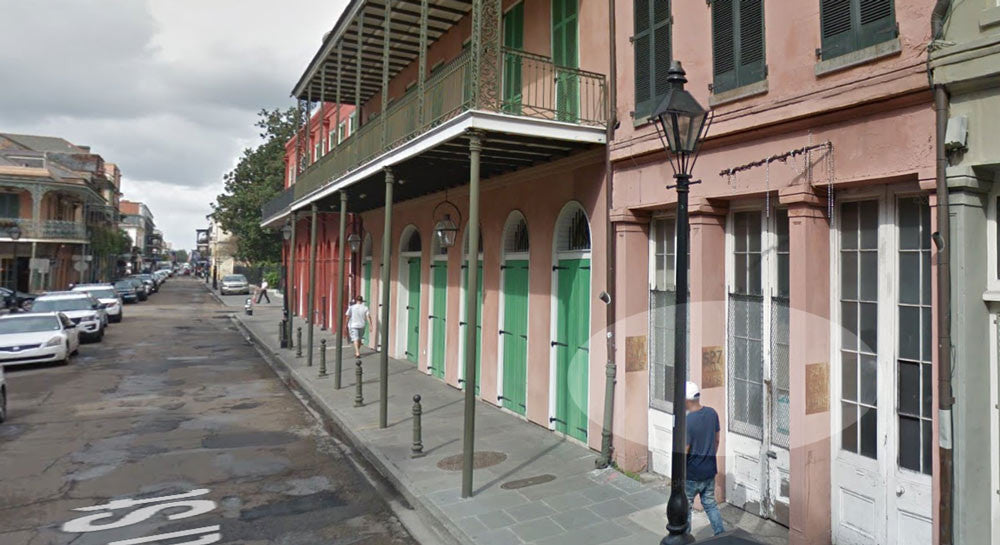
[529, 85]
[44, 230]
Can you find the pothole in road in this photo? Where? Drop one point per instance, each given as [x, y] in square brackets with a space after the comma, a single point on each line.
[248, 439]
[294, 506]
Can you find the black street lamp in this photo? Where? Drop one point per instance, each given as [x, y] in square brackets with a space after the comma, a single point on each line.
[354, 242]
[681, 124]
[286, 234]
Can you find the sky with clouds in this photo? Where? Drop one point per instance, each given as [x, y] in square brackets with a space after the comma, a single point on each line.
[167, 89]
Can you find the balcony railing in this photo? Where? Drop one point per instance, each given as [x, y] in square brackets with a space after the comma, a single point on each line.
[532, 86]
[43, 229]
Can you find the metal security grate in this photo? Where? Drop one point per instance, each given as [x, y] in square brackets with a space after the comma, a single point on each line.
[780, 398]
[746, 365]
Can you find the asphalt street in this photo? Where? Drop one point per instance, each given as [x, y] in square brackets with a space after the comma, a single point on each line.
[174, 431]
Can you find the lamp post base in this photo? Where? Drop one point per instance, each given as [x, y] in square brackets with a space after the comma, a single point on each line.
[681, 538]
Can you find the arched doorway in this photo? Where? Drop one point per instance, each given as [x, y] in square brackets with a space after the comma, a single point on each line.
[408, 315]
[570, 344]
[366, 279]
[513, 345]
[437, 320]
[463, 321]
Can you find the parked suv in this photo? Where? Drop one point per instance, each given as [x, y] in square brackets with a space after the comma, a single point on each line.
[128, 291]
[106, 295]
[234, 283]
[86, 312]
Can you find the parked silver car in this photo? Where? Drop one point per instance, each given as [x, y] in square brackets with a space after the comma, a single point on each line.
[234, 284]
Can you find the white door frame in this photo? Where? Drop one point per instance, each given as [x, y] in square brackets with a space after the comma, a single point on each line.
[739, 448]
[884, 474]
[554, 310]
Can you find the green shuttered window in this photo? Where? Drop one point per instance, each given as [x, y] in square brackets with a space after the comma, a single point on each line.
[651, 44]
[737, 43]
[849, 25]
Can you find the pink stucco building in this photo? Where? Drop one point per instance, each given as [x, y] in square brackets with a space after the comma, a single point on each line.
[811, 262]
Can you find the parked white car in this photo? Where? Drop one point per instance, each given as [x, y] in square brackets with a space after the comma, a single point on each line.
[37, 337]
[86, 312]
[106, 295]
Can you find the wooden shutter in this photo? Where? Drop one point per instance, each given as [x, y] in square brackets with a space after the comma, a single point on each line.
[751, 40]
[737, 43]
[876, 22]
[836, 28]
[641, 45]
[651, 44]
[849, 25]
[661, 47]
[723, 45]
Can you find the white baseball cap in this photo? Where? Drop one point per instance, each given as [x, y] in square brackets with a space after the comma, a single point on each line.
[693, 393]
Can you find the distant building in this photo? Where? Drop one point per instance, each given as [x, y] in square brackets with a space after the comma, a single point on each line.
[147, 241]
[54, 196]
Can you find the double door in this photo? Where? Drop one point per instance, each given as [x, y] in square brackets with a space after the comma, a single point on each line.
[572, 347]
[438, 317]
[758, 422]
[882, 372]
[412, 309]
[514, 335]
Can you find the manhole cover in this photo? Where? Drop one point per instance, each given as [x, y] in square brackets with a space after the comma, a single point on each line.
[530, 481]
[479, 460]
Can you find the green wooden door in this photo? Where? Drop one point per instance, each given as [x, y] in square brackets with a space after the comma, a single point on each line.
[564, 54]
[513, 39]
[514, 334]
[366, 288]
[439, 273]
[413, 310]
[572, 347]
[479, 320]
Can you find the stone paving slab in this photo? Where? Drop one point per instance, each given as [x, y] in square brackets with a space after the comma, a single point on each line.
[580, 505]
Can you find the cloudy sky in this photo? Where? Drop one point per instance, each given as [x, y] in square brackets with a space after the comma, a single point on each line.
[167, 89]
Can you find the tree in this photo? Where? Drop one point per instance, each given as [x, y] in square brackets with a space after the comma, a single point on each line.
[258, 177]
[181, 256]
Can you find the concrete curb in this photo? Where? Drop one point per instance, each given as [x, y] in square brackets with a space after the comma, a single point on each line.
[430, 514]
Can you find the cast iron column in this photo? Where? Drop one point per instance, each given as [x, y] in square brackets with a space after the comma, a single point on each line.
[468, 442]
[677, 505]
[383, 378]
[290, 281]
[312, 285]
[340, 290]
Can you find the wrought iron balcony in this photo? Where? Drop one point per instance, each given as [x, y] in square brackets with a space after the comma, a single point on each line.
[44, 229]
[530, 86]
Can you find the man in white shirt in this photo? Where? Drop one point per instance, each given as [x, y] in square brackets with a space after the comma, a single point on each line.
[357, 317]
[262, 292]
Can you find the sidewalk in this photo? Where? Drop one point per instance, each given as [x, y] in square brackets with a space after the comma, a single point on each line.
[541, 490]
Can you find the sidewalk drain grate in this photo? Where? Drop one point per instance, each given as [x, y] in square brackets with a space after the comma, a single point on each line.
[530, 481]
[480, 460]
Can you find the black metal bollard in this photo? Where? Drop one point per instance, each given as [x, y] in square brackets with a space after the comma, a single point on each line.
[298, 342]
[417, 450]
[282, 334]
[359, 399]
[322, 358]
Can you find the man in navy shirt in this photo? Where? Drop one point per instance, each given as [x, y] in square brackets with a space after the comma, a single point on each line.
[702, 444]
